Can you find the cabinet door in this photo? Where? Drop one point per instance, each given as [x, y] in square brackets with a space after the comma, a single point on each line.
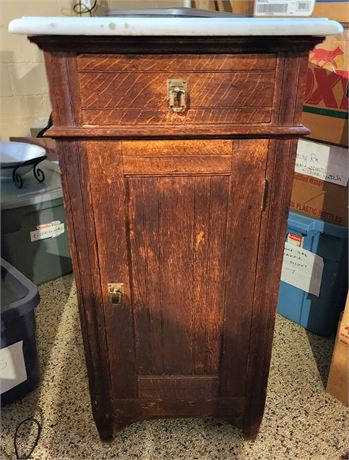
[177, 223]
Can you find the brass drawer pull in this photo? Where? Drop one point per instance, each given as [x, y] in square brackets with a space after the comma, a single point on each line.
[177, 95]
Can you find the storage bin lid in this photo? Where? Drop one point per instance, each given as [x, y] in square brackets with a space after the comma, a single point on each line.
[305, 225]
[32, 192]
[19, 296]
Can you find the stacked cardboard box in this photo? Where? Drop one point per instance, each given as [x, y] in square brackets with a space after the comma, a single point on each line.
[338, 10]
[326, 114]
[338, 379]
[325, 110]
[320, 186]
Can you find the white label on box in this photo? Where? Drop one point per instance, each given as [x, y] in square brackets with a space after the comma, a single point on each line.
[295, 240]
[302, 269]
[12, 366]
[325, 162]
[51, 230]
[283, 8]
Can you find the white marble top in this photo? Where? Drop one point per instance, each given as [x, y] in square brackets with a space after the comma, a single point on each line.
[173, 26]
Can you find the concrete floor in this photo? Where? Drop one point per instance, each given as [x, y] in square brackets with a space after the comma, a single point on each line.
[301, 421]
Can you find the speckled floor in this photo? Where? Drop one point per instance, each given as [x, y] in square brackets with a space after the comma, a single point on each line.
[301, 421]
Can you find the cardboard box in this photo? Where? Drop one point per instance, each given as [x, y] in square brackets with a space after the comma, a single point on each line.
[338, 379]
[323, 161]
[336, 10]
[322, 200]
[283, 8]
[325, 110]
[344, 325]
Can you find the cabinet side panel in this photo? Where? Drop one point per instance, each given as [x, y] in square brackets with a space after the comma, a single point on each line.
[107, 197]
[247, 182]
[83, 250]
[61, 70]
[272, 236]
[291, 73]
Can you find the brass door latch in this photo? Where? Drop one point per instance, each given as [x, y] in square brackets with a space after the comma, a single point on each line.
[116, 293]
[177, 95]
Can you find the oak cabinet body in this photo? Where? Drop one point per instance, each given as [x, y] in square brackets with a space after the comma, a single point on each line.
[186, 210]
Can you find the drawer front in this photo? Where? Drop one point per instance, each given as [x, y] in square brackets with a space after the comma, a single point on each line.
[132, 90]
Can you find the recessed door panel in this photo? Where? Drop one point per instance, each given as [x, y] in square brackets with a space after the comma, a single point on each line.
[177, 242]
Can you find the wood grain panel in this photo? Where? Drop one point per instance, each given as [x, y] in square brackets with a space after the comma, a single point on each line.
[130, 410]
[64, 94]
[205, 164]
[244, 215]
[82, 237]
[209, 45]
[148, 91]
[177, 252]
[290, 87]
[208, 131]
[131, 118]
[281, 161]
[178, 148]
[174, 387]
[188, 62]
[106, 190]
[209, 222]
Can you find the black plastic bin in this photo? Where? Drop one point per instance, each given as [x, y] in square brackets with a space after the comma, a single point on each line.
[19, 368]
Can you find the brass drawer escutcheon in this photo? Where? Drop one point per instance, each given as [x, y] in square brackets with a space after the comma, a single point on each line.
[177, 95]
[116, 293]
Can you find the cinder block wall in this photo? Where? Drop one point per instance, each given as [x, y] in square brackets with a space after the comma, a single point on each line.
[24, 100]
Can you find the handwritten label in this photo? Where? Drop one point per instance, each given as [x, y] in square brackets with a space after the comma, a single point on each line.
[51, 230]
[326, 162]
[302, 269]
[12, 366]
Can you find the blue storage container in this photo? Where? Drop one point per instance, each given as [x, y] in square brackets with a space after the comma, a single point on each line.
[19, 370]
[318, 314]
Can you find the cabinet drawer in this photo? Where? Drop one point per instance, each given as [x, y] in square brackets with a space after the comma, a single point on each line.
[130, 90]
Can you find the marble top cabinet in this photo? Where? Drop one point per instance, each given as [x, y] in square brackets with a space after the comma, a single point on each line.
[177, 155]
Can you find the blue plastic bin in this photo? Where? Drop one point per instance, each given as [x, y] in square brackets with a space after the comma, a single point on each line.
[318, 314]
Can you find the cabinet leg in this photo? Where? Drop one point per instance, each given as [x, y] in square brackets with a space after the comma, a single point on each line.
[250, 432]
[105, 427]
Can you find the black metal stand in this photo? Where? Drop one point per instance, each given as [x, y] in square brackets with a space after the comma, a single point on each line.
[38, 173]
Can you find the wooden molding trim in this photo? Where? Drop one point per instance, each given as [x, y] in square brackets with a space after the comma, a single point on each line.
[172, 132]
[161, 45]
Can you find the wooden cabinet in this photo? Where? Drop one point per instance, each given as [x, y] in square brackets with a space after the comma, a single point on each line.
[177, 218]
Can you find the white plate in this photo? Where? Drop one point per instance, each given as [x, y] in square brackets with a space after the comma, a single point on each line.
[15, 153]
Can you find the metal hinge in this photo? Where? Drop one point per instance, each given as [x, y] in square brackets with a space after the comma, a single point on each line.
[264, 194]
[116, 293]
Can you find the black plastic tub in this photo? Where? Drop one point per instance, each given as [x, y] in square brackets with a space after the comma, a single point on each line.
[19, 368]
